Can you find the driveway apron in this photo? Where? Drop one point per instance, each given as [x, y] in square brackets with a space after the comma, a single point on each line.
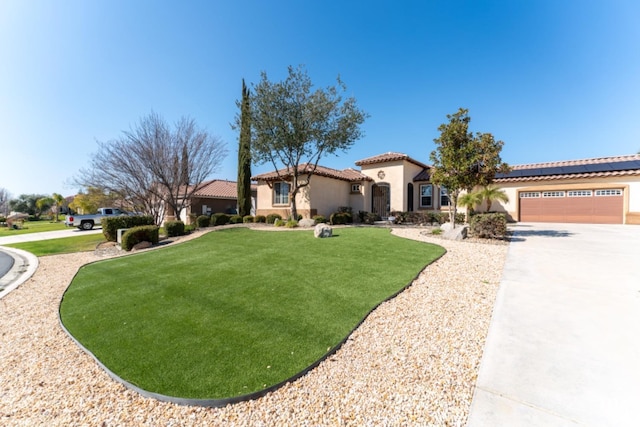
[563, 347]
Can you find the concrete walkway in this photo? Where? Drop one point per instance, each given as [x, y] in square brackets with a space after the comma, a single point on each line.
[564, 343]
[46, 235]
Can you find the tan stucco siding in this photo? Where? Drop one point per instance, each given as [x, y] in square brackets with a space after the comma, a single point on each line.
[328, 194]
[397, 175]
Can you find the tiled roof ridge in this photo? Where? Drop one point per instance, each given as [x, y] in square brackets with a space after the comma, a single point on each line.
[389, 156]
[589, 161]
[348, 174]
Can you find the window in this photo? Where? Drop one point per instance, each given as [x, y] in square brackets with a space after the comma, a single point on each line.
[615, 192]
[553, 194]
[281, 193]
[355, 188]
[426, 196]
[579, 193]
[444, 197]
[529, 194]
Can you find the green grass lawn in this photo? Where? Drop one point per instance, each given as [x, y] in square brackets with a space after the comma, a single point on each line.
[236, 310]
[62, 245]
[33, 227]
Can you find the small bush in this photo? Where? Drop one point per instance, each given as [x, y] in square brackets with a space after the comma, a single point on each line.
[260, 219]
[188, 229]
[235, 219]
[491, 226]
[338, 218]
[220, 219]
[436, 231]
[143, 233]
[345, 209]
[279, 222]
[203, 221]
[247, 219]
[318, 219]
[292, 223]
[111, 225]
[271, 218]
[174, 228]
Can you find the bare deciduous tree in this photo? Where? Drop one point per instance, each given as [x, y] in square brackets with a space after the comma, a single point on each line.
[153, 166]
[4, 201]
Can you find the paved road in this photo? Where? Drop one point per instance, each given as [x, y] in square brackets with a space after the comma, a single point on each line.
[564, 343]
[46, 235]
[6, 262]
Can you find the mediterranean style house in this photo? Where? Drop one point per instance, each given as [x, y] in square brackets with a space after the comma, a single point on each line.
[601, 190]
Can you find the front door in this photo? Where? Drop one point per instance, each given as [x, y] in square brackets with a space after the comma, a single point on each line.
[381, 200]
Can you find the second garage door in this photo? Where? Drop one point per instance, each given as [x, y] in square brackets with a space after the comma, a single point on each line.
[597, 206]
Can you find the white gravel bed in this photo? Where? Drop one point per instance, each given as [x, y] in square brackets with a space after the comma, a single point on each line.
[414, 361]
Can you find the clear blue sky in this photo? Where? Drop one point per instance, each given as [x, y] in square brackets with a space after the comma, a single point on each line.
[553, 79]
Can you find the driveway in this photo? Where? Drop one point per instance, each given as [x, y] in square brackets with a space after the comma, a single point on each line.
[564, 343]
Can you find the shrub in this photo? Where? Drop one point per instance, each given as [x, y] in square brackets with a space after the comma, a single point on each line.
[292, 223]
[271, 218]
[436, 231]
[260, 218]
[188, 229]
[318, 219]
[203, 221]
[345, 209]
[235, 219]
[492, 226]
[247, 219]
[298, 217]
[143, 233]
[338, 218]
[220, 219]
[174, 228]
[279, 222]
[111, 225]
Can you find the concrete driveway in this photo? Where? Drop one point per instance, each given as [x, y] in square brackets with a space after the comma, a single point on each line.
[564, 343]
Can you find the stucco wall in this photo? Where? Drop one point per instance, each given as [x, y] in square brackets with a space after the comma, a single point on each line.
[328, 194]
[397, 175]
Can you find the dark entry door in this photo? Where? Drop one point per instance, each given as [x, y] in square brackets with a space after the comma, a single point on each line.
[381, 200]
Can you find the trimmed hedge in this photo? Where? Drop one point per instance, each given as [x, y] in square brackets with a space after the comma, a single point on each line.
[338, 218]
[174, 228]
[111, 225]
[260, 219]
[271, 218]
[491, 226]
[247, 219]
[143, 233]
[235, 219]
[220, 219]
[318, 219]
[203, 221]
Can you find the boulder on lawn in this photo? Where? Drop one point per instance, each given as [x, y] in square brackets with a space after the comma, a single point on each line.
[458, 233]
[322, 230]
[306, 222]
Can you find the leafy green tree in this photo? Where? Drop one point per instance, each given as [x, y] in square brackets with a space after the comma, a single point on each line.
[463, 160]
[26, 203]
[43, 204]
[94, 198]
[244, 154]
[294, 127]
[491, 193]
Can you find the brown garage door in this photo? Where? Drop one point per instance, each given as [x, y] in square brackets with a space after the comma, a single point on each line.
[597, 206]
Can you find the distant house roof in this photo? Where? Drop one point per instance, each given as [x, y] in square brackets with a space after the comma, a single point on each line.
[423, 175]
[348, 174]
[572, 169]
[219, 189]
[389, 157]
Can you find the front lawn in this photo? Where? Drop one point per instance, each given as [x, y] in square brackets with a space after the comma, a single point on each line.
[236, 310]
[63, 245]
[33, 227]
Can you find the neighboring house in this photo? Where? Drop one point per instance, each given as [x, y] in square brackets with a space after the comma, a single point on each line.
[602, 190]
[215, 196]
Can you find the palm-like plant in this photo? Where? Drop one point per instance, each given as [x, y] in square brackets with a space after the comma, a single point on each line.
[490, 193]
[470, 200]
[58, 200]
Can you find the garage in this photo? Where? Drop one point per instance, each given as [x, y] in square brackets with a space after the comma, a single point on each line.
[594, 206]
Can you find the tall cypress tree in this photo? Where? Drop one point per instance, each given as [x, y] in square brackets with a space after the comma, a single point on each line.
[244, 155]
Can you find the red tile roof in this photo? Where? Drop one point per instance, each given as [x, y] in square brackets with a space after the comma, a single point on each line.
[389, 157]
[611, 166]
[219, 189]
[348, 174]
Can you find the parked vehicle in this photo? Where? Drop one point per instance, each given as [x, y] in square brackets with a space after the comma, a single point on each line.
[87, 222]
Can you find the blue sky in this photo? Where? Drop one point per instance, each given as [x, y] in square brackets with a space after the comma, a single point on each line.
[554, 79]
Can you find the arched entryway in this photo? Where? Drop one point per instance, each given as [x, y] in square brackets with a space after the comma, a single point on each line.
[381, 199]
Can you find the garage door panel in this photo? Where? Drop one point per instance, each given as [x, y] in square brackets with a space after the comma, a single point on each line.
[591, 206]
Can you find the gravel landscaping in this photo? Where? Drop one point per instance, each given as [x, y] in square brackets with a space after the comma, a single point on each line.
[414, 361]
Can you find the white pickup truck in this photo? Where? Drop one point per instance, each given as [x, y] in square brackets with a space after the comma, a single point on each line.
[87, 222]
